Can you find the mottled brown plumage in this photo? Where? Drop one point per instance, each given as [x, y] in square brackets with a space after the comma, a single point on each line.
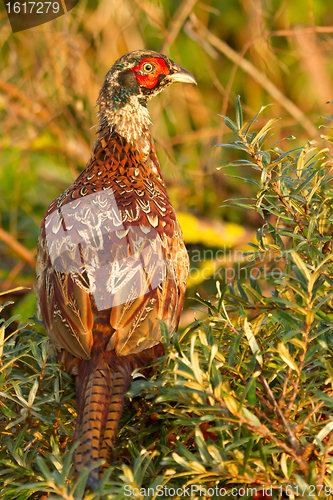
[111, 258]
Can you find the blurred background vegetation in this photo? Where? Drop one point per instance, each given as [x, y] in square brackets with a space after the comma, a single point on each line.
[266, 51]
[271, 51]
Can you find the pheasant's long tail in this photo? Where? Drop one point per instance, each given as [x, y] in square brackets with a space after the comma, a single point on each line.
[121, 383]
[92, 400]
[100, 405]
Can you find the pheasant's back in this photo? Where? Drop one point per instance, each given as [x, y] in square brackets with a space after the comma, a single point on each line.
[111, 252]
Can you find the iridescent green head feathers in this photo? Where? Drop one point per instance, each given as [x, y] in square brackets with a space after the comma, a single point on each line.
[133, 80]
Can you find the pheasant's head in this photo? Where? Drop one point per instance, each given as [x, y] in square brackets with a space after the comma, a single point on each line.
[132, 80]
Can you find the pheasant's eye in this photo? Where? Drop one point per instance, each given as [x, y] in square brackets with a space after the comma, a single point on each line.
[148, 67]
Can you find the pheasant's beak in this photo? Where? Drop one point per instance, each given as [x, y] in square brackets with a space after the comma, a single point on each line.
[181, 75]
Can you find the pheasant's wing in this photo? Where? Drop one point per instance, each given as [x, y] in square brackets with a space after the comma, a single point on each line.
[62, 297]
[154, 292]
[115, 248]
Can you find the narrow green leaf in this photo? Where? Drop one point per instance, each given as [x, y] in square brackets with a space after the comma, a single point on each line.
[44, 469]
[230, 124]
[234, 349]
[239, 113]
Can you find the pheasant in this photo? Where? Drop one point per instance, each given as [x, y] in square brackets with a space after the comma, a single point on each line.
[111, 261]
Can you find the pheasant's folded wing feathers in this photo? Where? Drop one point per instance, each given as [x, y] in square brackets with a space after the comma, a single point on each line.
[65, 308]
[107, 250]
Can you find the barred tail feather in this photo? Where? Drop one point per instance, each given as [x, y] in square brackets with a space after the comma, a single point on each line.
[121, 383]
[93, 406]
[100, 406]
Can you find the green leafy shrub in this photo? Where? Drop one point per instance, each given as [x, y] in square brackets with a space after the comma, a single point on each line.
[242, 400]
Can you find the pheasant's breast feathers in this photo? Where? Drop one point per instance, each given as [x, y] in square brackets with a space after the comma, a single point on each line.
[112, 242]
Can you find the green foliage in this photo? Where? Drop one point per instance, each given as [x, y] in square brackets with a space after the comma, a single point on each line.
[36, 416]
[242, 398]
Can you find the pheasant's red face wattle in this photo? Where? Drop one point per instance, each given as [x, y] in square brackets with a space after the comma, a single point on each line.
[148, 71]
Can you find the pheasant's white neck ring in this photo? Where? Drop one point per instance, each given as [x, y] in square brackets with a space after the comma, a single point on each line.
[131, 121]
